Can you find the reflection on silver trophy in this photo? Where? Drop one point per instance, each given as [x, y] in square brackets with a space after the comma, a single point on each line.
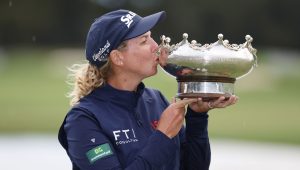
[210, 70]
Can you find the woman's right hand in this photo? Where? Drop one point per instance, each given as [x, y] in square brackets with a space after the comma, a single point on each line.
[172, 118]
[163, 56]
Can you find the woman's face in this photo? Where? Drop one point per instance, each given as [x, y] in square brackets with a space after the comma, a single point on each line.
[140, 59]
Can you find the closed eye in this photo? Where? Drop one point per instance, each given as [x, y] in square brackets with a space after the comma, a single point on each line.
[144, 38]
[144, 41]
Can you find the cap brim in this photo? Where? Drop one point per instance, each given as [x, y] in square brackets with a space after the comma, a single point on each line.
[145, 25]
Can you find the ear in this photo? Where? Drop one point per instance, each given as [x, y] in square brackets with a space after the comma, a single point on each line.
[116, 57]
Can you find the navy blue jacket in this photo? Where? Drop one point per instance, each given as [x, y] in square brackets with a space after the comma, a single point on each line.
[115, 129]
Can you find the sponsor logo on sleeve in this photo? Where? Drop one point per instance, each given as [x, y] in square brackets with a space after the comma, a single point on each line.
[99, 152]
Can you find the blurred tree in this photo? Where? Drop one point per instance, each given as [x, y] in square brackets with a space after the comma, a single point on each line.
[66, 22]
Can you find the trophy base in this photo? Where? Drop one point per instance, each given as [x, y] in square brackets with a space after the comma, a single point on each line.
[206, 97]
[207, 88]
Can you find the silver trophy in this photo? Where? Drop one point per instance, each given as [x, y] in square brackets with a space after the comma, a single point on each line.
[210, 70]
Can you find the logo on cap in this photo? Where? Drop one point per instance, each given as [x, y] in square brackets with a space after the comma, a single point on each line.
[127, 19]
[101, 55]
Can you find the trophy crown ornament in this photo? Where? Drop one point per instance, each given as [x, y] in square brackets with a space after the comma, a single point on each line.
[210, 70]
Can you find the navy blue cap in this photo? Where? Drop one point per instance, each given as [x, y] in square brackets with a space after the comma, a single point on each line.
[111, 29]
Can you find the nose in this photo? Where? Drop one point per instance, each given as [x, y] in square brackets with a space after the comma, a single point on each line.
[154, 45]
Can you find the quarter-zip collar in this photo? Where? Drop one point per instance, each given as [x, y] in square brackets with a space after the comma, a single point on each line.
[126, 98]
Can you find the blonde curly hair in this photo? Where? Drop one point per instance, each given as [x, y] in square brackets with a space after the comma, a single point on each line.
[84, 78]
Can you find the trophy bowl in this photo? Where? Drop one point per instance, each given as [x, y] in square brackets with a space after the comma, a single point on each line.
[207, 71]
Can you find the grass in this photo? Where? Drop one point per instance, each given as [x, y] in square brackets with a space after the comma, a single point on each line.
[33, 89]
[32, 98]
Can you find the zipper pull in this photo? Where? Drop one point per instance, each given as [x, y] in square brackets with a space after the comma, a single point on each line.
[139, 122]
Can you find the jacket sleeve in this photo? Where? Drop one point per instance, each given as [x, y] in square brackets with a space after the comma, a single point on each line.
[195, 147]
[89, 148]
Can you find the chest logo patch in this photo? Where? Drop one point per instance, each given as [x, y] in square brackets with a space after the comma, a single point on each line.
[99, 152]
[124, 136]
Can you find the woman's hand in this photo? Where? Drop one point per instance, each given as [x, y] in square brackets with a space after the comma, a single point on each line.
[172, 118]
[163, 56]
[200, 106]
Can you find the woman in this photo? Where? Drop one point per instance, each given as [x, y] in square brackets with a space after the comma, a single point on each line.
[118, 123]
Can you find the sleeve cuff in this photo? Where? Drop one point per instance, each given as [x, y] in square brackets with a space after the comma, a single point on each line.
[192, 113]
[196, 123]
[159, 149]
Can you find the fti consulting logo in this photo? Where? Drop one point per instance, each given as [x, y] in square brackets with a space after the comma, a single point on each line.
[124, 136]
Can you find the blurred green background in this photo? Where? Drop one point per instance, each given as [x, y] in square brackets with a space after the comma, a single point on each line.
[40, 39]
[33, 89]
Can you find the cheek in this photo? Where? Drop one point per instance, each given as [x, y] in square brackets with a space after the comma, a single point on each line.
[141, 63]
[142, 57]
